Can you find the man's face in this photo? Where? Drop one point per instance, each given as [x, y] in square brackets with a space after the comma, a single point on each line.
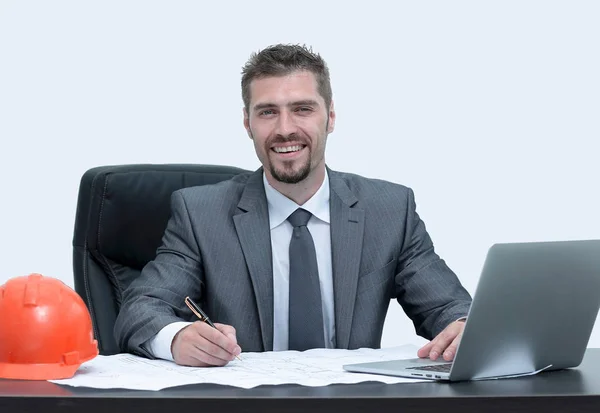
[289, 123]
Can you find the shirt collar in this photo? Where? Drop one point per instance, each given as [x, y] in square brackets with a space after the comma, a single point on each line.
[281, 207]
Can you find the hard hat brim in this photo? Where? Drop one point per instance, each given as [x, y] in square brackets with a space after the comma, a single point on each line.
[50, 371]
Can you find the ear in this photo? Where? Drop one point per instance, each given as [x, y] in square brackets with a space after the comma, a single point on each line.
[331, 125]
[247, 123]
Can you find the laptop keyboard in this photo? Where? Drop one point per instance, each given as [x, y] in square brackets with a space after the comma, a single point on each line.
[444, 368]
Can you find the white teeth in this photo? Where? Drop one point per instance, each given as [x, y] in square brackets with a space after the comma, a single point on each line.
[285, 149]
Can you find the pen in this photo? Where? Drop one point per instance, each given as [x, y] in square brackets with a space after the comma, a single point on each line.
[201, 314]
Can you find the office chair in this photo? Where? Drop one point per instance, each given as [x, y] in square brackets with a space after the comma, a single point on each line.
[122, 212]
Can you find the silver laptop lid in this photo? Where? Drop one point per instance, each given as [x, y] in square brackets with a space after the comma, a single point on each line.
[535, 305]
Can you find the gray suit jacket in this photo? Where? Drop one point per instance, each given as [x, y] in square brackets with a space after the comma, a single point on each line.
[217, 249]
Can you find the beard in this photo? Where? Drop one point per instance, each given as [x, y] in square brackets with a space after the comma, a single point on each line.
[290, 175]
[287, 174]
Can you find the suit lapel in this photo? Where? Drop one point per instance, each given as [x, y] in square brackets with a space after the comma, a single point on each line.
[252, 226]
[347, 228]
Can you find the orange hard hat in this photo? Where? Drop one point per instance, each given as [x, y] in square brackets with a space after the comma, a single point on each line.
[45, 329]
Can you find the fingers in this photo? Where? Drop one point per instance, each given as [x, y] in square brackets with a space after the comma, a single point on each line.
[426, 349]
[451, 350]
[223, 336]
[444, 343]
[191, 355]
[228, 330]
[199, 344]
[216, 345]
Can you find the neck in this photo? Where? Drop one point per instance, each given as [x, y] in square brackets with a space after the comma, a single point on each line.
[302, 191]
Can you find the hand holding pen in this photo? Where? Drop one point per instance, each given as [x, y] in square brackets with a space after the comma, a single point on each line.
[204, 343]
[202, 316]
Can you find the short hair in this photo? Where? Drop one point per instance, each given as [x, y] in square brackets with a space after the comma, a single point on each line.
[281, 60]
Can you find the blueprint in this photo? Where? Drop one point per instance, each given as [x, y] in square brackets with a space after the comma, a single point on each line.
[317, 367]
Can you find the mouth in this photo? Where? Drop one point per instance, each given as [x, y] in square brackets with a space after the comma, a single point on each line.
[288, 151]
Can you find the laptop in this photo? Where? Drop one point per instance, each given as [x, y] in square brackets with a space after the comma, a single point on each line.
[534, 309]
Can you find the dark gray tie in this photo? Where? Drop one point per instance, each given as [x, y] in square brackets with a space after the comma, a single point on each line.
[306, 313]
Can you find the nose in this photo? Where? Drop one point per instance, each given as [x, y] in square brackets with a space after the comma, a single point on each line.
[286, 124]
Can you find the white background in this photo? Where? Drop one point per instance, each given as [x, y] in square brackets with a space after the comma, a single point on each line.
[489, 110]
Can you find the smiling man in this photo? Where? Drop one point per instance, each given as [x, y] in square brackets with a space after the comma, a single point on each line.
[289, 121]
[294, 255]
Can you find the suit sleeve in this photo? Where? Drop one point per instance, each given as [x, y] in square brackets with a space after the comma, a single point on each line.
[156, 298]
[428, 290]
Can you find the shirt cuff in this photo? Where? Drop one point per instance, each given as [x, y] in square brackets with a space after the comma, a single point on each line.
[160, 344]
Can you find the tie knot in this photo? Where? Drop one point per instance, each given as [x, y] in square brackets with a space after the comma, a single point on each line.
[299, 217]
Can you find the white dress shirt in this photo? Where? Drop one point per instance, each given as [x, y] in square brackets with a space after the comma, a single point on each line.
[280, 207]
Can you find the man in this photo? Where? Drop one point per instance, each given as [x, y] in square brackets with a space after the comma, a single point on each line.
[294, 255]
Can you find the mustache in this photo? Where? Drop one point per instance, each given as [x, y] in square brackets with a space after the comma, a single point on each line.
[293, 137]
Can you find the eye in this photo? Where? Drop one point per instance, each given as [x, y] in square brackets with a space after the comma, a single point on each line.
[266, 112]
[304, 109]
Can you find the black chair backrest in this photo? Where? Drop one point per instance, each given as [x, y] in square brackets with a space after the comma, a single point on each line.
[122, 212]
